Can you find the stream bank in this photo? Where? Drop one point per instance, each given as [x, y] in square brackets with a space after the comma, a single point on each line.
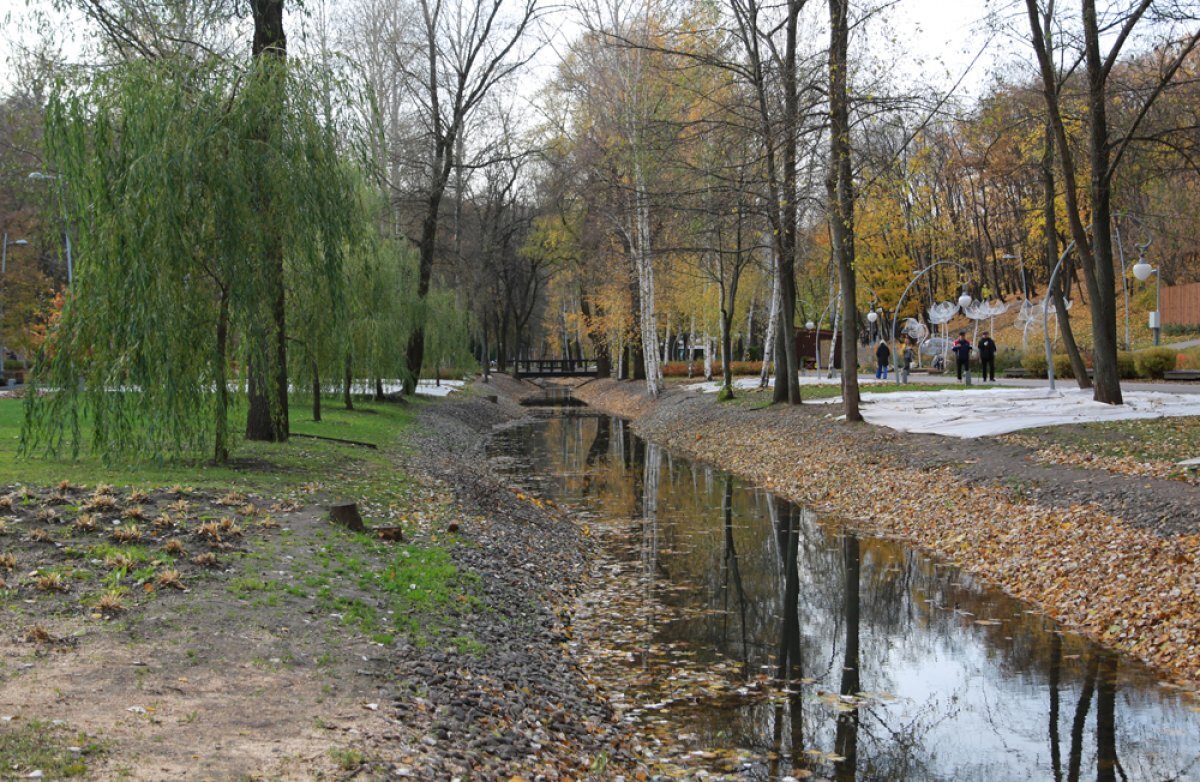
[1113, 557]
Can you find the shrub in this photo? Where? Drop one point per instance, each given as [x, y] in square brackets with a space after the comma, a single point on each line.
[1126, 365]
[1062, 366]
[1034, 362]
[1188, 359]
[1153, 362]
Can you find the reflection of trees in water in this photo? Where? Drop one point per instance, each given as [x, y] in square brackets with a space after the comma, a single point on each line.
[781, 595]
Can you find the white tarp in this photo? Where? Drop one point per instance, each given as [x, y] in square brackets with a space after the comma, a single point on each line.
[992, 411]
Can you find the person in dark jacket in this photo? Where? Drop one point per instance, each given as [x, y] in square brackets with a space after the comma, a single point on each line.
[882, 356]
[962, 354]
[987, 358]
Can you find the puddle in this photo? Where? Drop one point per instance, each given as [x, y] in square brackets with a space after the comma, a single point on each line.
[762, 642]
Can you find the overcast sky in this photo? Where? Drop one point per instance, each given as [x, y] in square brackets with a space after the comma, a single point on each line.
[933, 40]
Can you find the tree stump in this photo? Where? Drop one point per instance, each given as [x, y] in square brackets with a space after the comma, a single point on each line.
[346, 514]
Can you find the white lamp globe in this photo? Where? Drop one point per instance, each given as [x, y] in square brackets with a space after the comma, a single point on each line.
[1142, 270]
[964, 300]
[810, 325]
[872, 316]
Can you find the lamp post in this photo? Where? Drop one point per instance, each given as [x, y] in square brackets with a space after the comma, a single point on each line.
[62, 205]
[4, 252]
[919, 275]
[1142, 271]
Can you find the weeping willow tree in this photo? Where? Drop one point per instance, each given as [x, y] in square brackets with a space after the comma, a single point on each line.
[384, 312]
[165, 167]
[447, 334]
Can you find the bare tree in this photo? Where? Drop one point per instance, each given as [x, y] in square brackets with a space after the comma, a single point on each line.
[467, 48]
[1105, 149]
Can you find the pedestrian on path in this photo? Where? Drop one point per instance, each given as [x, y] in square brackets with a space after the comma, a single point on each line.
[882, 356]
[987, 358]
[962, 354]
[908, 355]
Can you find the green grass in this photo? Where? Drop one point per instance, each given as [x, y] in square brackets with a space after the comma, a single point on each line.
[1155, 440]
[26, 747]
[254, 466]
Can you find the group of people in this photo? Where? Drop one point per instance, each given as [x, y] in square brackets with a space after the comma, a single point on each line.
[961, 348]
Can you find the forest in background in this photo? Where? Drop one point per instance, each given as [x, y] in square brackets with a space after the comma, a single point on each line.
[351, 194]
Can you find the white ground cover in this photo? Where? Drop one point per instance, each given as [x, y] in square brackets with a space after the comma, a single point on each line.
[992, 411]
[809, 379]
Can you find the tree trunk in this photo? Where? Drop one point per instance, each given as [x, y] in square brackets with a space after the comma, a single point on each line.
[347, 383]
[267, 413]
[221, 431]
[1078, 367]
[379, 395]
[316, 391]
[841, 197]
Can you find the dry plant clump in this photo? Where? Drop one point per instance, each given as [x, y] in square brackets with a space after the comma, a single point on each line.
[101, 502]
[8, 561]
[50, 582]
[174, 547]
[179, 490]
[128, 533]
[164, 521]
[85, 523]
[45, 516]
[110, 604]
[170, 578]
[134, 513]
[229, 528]
[102, 488]
[3, 527]
[268, 522]
[232, 498]
[58, 498]
[25, 494]
[248, 510]
[7, 502]
[41, 536]
[179, 506]
[207, 559]
[65, 486]
[38, 634]
[139, 497]
[118, 562]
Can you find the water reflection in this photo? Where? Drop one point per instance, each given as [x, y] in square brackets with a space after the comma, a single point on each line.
[899, 668]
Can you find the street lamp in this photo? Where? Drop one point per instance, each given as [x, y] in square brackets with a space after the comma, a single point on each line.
[4, 252]
[964, 300]
[62, 204]
[1142, 271]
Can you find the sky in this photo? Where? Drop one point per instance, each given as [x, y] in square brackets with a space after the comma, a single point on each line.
[936, 40]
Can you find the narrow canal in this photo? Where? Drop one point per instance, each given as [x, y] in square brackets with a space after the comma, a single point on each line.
[769, 643]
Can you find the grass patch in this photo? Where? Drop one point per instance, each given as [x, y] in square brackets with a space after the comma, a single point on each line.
[46, 747]
[414, 589]
[254, 466]
[1151, 440]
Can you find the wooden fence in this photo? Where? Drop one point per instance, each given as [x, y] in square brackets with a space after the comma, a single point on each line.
[1181, 305]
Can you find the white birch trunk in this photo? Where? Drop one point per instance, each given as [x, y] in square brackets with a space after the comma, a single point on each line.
[833, 342]
[769, 342]
[708, 357]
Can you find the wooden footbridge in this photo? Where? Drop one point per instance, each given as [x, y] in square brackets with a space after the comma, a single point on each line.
[554, 367]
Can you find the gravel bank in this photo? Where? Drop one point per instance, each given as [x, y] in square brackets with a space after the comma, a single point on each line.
[521, 704]
[1113, 556]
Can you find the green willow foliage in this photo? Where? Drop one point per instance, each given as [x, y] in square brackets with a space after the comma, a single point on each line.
[178, 180]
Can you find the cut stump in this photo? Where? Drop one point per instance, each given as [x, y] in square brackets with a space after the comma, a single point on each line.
[346, 514]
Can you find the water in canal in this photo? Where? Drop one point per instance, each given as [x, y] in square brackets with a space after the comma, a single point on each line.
[902, 668]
